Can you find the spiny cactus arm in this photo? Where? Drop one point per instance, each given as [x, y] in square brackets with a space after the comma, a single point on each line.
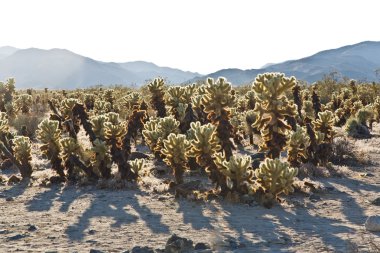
[80, 112]
[5, 151]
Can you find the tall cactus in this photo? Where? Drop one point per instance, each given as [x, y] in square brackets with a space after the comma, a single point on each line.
[272, 107]
[175, 150]
[22, 151]
[217, 100]
[49, 134]
[156, 87]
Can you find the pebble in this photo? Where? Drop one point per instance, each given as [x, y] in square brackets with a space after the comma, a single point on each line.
[373, 224]
[376, 202]
[9, 199]
[96, 251]
[202, 246]
[139, 249]
[32, 228]
[17, 237]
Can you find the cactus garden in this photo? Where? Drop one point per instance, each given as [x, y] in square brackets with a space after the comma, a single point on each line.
[272, 166]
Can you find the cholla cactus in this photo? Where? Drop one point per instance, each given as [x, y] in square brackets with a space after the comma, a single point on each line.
[109, 97]
[70, 155]
[251, 100]
[67, 106]
[274, 177]
[250, 118]
[272, 106]
[356, 106]
[157, 130]
[365, 115]
[97, 123]
[238, 172]
[89, 101]
[175, 150]
[101, 159]
[115, 136]
[132, 100]
[204, 146]
[297, 146]
[22, 152]
[308, 111]
[24, 103]
[218, 97]
[137, 165]
[102, 107]
[325, 124]
[49, 134]
[316, 102]
[156, 87]
[4, 127]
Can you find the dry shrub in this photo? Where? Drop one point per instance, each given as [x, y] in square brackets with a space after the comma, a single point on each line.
[344, 153]
[30, 121]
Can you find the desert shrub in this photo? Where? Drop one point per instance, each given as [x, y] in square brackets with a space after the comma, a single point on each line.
[26, 125]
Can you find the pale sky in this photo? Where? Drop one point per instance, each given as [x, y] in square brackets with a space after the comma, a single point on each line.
[195, 35]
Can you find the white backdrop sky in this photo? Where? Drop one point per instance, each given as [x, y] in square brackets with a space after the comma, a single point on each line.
[194, 35]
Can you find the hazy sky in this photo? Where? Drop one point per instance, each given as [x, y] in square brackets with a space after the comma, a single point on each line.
[196, 35]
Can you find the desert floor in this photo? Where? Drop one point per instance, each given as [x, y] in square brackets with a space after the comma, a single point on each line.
[71, 218]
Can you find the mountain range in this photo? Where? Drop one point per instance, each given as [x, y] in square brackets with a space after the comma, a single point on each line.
[60, 68]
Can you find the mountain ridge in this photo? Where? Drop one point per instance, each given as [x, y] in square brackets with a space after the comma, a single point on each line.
[64, 69]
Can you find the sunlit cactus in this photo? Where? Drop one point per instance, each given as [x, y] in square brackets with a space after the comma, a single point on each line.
[325, 124]
[101, 107]
[24, 103]
[297, 146]
[250, 118]
[218, 96]
[68, 146]
[49, 134]
[132, 100]
[175, 151]
[67, 106]
[238, 172]
[101, 159]
[157, 130]
[156, 87]
[218, 99]
[272, 106]
[4, 127]
[136, 166]
[22, 149]
[356, 106]
[273, 178]
[97, 123]
[308, 111]
[109, 97]
[204, 145]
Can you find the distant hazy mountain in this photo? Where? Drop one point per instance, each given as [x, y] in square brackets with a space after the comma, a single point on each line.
[60, 68]
[7, 51]
[358, 61]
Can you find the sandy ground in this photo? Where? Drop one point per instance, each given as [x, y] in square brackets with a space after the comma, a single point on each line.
[69, 218]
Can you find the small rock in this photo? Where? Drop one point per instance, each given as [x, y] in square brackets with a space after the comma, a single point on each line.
[9, 199]
[376, 202]
[4, 231]
[96, 251]
[202, 246]
[91, 232]
[314, 198]
[145, 249]
[177, 244]
[14, 180]
[280, 240]
[373, 224]
[17, 237]
[32, 228]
